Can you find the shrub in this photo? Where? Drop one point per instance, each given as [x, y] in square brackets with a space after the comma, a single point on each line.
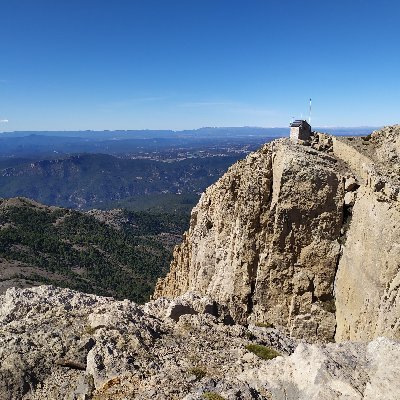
[198, 372]
[249, 335]
[264, 324]
[264, 352]
[212, 396]
[88, 330]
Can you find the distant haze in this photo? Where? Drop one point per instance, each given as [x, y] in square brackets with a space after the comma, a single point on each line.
[188, 134]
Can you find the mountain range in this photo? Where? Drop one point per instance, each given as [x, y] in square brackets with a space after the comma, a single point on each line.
[85, 181]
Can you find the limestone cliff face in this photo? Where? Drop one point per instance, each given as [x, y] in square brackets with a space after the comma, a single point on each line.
[264, 241]
[305, 238]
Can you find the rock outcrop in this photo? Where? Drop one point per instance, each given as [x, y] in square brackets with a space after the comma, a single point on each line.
[305, 238]
[59, 344]
[264, 241]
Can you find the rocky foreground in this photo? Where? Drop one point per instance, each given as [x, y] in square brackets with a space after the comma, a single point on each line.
[60, 344]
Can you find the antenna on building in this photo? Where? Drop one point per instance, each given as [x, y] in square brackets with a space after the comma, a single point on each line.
[309, 115]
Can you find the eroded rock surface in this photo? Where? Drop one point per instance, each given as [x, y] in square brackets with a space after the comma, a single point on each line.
[305, 238]
[264, 241]
[60, 344]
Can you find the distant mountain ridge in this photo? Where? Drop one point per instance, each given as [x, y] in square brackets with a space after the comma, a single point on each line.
[156, 133]
[200, 132]
[85, 181]
[33, 143]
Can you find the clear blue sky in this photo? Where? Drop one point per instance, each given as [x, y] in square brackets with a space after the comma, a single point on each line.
[175, 64]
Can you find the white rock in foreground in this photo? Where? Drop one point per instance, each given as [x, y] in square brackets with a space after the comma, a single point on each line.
[60, 344]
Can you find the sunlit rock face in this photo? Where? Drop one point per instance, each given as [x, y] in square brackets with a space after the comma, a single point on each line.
[305, 238]
[265, 241]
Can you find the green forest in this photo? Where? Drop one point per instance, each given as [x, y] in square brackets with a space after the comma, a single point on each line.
[90, 255]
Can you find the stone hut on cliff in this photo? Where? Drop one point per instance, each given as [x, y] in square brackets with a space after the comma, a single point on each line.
[300, 130]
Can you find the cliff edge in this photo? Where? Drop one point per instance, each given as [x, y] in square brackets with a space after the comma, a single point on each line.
[304, 238]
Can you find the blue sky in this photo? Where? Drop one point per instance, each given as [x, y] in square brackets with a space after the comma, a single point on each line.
[179, 64]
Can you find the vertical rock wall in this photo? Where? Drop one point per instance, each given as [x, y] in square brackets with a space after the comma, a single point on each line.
[368, 279]
[299, 254]
[219, 254]
[264, 241]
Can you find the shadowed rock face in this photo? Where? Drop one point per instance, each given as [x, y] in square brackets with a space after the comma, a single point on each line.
[368, 278]
[302, 237]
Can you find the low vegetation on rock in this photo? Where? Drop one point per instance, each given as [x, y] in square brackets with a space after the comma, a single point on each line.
[264, 352]
[198, 372]
[212, 396]
[264, 324]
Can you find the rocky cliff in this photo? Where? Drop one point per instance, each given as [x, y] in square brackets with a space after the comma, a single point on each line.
[302, 237]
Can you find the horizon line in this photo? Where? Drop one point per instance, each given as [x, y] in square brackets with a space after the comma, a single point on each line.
[193, 129]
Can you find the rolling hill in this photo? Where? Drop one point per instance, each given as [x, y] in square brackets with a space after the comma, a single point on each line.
[115, 253]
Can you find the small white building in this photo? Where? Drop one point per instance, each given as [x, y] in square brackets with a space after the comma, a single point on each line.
[300, 130]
